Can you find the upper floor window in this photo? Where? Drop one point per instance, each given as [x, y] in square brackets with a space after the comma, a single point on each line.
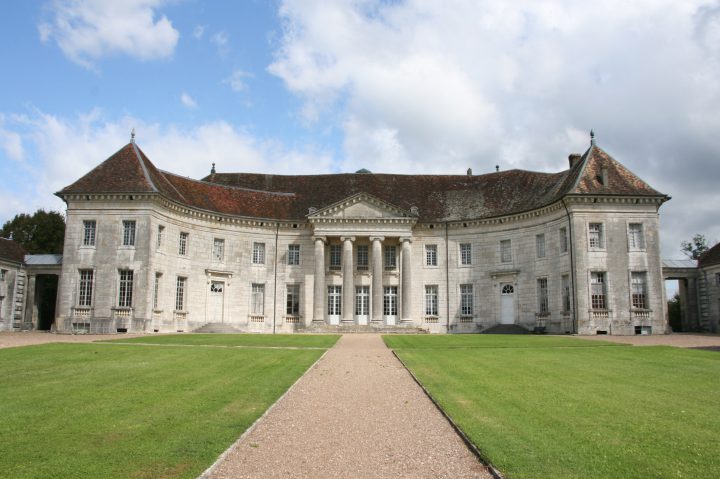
[466, 300]
[89, 227]
[563, 240]
[540, 245]
[431, 255]
[180, 293]
[390, 258]
[636, 236]
[293, 254]
[465, 254]
[258, 255]
[505, 251]
[565, 292]
[218, 250]
[595, 236]
[598, 299]
[125, 288]
[129, 233]
[639, 289]
[183, 246]
[335, 257]
[362, 257]
[542, 291]
[86, 287]
[160, 232]
[431, 300]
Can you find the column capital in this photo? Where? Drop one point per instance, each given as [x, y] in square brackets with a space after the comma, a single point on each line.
[347, 238]
[403, 239]
[320, 238]
[377, 238]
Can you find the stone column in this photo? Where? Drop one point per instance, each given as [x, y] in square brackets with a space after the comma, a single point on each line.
[406, 283]
[319, 281]
[377, 279]
[30, 304]
[348, 293]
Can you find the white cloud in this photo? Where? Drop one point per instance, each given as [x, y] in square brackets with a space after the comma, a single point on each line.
[88, 30]
[421, 86]
[188, 101]
[221, 41]
[60, 150]
[237, 80]
[11, 142]
[199, 31]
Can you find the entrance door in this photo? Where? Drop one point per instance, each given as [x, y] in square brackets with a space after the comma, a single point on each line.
[507, 304]
[334, 304]
[216, 302]
[390, 306]
[362, 304]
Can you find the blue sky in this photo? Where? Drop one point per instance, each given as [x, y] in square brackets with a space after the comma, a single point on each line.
[309, 86]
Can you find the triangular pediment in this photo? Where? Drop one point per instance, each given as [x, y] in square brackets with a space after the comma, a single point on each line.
[361, 206]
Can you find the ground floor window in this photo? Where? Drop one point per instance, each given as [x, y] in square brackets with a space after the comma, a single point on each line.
[334, 300]
[125, 288]
[362, 300]
[466, 300]
[431, 300]
[86, 287]
[257, 299]
[293, 300]
[390, 301]
[639, 290]
[597, 290]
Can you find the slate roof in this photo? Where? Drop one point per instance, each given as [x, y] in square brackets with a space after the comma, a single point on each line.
[710, 257]
[11, 251]
[289, 197]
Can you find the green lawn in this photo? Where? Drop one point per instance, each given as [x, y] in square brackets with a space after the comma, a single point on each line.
[110, 410]
[576, 412]
[251, 340]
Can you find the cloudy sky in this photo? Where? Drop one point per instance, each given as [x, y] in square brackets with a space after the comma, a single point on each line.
[317, 86]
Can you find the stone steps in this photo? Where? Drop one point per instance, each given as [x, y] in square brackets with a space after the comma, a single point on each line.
[506, 329]
[220, 328]
[363, 328]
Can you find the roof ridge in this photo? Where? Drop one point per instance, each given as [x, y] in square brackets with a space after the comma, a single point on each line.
[243, 188]
[144, 167]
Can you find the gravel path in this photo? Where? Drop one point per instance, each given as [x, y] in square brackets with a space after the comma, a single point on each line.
[357, 413]
[680, 340]
[11, 339]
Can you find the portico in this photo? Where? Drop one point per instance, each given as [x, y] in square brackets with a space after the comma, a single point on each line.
[362, 281]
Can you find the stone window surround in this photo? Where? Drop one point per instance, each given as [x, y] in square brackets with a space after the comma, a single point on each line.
[431, 255]
[89, 233]
[465, 253]
[540, 246]
[640, 232]
[596, 236]
[129, 230]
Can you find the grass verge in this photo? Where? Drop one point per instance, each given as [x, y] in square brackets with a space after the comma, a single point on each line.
[95, 410]
[250, 340]
[577, 412]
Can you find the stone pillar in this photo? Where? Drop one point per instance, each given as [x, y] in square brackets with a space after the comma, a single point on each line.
[406, 283]
[30, 304]
[377, 279]
[319, 281]
[348, 281]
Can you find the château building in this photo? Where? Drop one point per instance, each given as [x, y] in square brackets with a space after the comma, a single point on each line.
[570, 252]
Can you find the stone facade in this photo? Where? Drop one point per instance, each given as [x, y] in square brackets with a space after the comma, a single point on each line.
[12, 285]
[572, 252]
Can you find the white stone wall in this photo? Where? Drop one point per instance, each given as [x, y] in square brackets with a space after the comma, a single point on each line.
[712, 287]
[11, 306]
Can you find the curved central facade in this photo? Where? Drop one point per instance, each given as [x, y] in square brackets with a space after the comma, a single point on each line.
[571, 252]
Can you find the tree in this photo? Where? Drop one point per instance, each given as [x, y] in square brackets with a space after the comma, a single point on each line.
[695, 248]
[43, 232]
[675, 313]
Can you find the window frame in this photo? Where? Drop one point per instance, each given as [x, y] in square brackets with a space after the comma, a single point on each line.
[467, 300]
[181, 293]
[125, 288]
[129, 232]
[543, 298]
[334, 300]
[89, 239]
[540, 246]
[565, 293]
[183, 243]
[85, 288]
[258, 253]
[362, 257]
[638, 299]
[635, 237]
[465, 254]
[598, 235]
[390, 301]
[362, 300]
[292, 299]
[598, 301]
[293, 255]
[564, 240]
[506, 251]
[257, 299]
[389, 257]
[431, 255]
[335, 263]
[432, 300]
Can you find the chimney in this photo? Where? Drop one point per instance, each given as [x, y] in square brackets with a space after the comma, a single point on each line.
[574, 158]
[469, 172]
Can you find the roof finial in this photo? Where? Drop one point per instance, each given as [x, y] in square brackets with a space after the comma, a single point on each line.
[212, 170]
[592, 137]
[132, 135]
[497, 167]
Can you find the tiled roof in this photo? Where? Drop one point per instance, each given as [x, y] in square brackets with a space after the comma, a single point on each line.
[289, 197]
[710, 257]
[12, 251]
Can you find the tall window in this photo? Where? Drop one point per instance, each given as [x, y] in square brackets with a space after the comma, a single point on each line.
[636, 237]
[362, 257]
[160, 232]
[639, 290]
[86, 287]
[597, 290]
[565, 293]
[129, 233]
[390, 307]
[465, 253]
[257, 299]
[218, 250]
[563, 240]
[362, 300]
[390, 258]
[542, 292]
[293, 254]
[293, 300]
[3, 272]
[258, 256]
[540, 245]
[335, 257]
[125, 288]
[334, 300]
[431, 300]
[595, 235]
[180, 293]
[466, 300]
[156, 290]
[717, 279]
[505, 251]
[89, 227]
[183, 246]
[431, 255]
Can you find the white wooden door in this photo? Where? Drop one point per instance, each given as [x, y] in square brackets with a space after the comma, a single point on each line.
[507, 304]
[362, 304]
[216, 302]
[334, 309]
